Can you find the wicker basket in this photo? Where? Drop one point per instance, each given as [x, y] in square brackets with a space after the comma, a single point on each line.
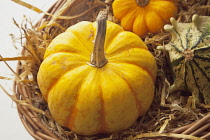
[33, 110]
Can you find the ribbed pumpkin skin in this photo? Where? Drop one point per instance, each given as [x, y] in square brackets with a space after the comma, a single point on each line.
[189, 52]
[142, 20]
[91, 100]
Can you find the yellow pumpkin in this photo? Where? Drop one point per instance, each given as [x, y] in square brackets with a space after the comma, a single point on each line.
[91, 100]
[144, 16]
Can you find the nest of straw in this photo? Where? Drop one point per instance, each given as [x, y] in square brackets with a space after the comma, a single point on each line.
[169, 117]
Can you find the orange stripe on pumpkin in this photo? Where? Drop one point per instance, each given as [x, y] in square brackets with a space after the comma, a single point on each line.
[102, 120]
[138, 103]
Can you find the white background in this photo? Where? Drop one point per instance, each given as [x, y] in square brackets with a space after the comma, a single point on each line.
[11, 128]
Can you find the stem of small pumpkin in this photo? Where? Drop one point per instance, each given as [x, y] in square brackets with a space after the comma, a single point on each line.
[98, 56]
[142, 3]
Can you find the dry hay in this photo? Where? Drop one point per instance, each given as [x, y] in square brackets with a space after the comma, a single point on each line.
[168, 111]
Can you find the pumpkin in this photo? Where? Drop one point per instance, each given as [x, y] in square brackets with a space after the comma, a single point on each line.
[99, 92]
[189, 51]
[144, 16]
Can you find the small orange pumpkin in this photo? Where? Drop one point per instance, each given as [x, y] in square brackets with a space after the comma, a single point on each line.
[144, 16]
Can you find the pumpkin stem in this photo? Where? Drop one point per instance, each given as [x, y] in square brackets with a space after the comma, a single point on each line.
[142, 3]
[98, 56]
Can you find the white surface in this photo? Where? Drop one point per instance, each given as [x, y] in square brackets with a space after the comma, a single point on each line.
[11, 128]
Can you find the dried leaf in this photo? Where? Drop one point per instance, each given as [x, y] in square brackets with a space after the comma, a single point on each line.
[164, 126]
[29, 6]
[16, 58]
[5, 78]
